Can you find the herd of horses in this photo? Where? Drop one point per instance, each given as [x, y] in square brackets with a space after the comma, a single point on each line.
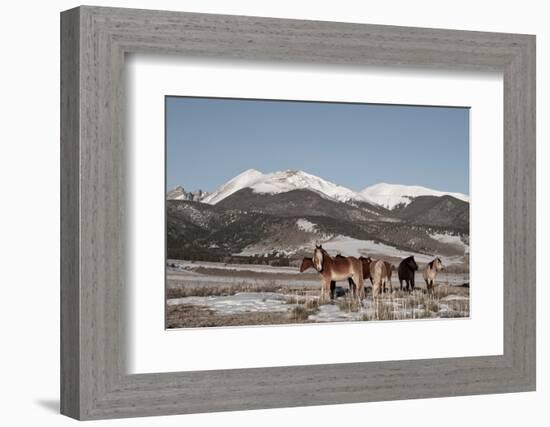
[356, 270]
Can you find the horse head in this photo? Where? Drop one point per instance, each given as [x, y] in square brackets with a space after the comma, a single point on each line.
[318, 255]
[437, 264]
[411, 263]
[306, 264]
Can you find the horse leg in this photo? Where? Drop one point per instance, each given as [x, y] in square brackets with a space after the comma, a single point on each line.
[430, 286]
[324, 285]
[375, 289]
[352, 289]
[412, 283]
[332, 289]
[360, 285]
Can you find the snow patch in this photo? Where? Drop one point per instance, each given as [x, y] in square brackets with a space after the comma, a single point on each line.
[305, 225]
[239, 303]
[450, 239]
[392, 195]
[348, 246]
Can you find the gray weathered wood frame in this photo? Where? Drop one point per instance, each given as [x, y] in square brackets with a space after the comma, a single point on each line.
[94, 41]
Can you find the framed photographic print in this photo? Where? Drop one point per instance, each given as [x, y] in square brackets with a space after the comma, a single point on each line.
[346, 212]
[238, 248]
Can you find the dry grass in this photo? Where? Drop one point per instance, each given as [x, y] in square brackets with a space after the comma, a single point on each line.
[196, 316]
[401, 305]
[298, 313]
[304, 301]
[312, 304]
[225, 290]
[348, 304]
[442, 291]
[302, 312]
[457, 308]
[295, 299]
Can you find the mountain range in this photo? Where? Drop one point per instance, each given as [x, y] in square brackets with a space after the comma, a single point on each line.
[282, 214]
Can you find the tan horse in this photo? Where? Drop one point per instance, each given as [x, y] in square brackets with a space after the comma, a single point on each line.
[389, 269]
[334, 269]
[430, 272]
[380, 276]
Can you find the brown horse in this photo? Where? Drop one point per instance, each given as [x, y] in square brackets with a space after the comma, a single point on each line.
[366, 270]
[307, 263]
[334, 269]
[366, 261]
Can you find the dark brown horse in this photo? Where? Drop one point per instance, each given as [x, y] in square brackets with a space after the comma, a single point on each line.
[406, 271]
[334, 269]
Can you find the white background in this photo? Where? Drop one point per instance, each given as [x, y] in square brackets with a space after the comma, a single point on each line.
[29, 218]
[153, 349]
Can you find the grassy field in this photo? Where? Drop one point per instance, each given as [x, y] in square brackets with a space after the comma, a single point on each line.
[232, 295]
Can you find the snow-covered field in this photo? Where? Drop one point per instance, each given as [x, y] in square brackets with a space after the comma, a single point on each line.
[186, 271]
[451, 239]
[189, 266]
[241, 302]
[230, 291]
[349, 246]
[354, 247]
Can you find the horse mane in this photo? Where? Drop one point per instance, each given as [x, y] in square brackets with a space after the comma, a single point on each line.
[431, 263]
[325, 256]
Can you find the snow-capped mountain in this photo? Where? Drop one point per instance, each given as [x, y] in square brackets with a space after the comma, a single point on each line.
[282, 182]
[257, 213]
[246, 179]
[393, 195]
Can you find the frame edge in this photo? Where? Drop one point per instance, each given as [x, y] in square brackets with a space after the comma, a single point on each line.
[70, 395]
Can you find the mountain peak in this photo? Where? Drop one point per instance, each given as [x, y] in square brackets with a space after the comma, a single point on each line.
[244, 179]
[179, 193]
[250, 171]
[282, 182]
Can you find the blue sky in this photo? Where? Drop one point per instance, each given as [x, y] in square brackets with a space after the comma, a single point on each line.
[210, 140]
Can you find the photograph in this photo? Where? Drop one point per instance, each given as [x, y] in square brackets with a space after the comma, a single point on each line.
[285, 212]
